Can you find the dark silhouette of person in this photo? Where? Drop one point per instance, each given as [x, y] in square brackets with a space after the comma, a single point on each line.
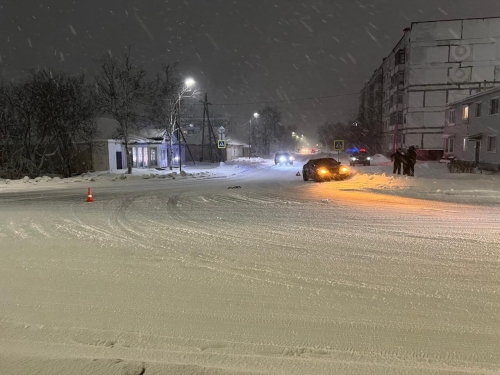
[397, 158]
[406, 162]
[412, 160]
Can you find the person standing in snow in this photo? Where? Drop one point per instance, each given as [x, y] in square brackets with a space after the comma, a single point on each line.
[397, 158]
[412, 160]
[406, 166]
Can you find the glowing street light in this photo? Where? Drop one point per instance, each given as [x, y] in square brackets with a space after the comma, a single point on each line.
[189, 82]
[256, 116]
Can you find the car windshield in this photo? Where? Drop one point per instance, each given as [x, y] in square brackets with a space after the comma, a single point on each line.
[213, 187]
[326, 162]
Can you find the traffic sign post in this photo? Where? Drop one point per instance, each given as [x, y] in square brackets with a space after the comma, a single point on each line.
[221, 143]
[338, 145]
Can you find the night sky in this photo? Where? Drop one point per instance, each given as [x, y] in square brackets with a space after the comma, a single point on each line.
[238, 51]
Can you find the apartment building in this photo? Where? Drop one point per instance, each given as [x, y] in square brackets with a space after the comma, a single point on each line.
[433, 64]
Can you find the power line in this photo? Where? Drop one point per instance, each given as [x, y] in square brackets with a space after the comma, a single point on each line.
[291, 100]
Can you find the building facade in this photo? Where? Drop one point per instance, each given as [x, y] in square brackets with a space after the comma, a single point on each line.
[370, 113]
[472, 128]
[435, 63]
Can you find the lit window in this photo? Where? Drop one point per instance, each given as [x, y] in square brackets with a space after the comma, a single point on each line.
[465, 112]
[492, 144]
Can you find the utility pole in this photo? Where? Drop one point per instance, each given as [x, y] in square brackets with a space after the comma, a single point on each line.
[203, 131]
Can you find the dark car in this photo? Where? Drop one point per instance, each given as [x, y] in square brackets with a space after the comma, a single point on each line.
[324, 169]
[283, 158]
[359, 157]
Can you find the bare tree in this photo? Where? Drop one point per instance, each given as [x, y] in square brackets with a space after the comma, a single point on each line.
[267, 130]
[162, 109]
[122, 89]
[67, 112]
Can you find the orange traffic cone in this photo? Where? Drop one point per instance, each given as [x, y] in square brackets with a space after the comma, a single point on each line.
[298, 174]
[89, 196]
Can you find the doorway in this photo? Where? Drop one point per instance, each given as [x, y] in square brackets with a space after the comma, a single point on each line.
[477, 152]
[119, 160]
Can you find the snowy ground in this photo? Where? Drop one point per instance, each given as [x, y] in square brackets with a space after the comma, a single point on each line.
[278, 276]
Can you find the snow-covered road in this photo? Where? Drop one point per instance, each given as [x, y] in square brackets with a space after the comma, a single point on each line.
[276, 277]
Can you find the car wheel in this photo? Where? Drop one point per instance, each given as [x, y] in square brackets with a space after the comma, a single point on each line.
[291, 163]
[305, 177]
[351, 164]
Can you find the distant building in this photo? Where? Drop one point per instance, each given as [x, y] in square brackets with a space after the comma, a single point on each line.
[370, 113]
[149, 148]
[433, 64]
[472, 128]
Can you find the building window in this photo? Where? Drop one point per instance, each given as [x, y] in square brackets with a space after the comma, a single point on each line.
[401, 78]
[449, 145]
[400, 117]
[400, 98]
[400, 57]
[451, 117]
[465, 112]
[493, 106]
[478, 109]
[492, 144]
[464, 145]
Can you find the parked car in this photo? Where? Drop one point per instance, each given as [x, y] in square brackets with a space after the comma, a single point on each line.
[359, 157]
[324, 169]
[283, 158]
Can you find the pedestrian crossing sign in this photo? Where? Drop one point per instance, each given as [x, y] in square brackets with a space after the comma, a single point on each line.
[221, 143]
[338, 145]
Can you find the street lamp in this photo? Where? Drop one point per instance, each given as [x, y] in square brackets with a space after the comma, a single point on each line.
[256, 116]
[188, 83]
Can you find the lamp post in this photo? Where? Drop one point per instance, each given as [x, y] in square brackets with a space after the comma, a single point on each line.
[256, 116]
[188, 83]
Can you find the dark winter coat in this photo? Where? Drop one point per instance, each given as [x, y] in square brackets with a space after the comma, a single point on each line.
[397, 157]
[412, 155]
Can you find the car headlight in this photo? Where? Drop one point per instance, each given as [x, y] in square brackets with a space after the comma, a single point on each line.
[368, 158]
[323, 171]
[292, 158]
[282, 158]
[344, 170]
[354, 159]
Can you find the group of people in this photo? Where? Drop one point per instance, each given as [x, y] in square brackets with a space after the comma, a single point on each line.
[406, 159]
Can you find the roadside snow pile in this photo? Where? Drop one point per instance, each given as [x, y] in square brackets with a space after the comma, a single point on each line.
[254, 160]
[432, 181]
[371, 182]
[379, 159]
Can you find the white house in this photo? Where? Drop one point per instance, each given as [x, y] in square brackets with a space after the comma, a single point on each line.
[472, 128]
[149, 148]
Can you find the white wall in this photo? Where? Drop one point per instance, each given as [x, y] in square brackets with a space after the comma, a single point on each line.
[114, 147]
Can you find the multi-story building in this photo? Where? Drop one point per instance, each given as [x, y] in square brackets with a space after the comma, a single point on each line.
[433, 64]
[370, 110]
